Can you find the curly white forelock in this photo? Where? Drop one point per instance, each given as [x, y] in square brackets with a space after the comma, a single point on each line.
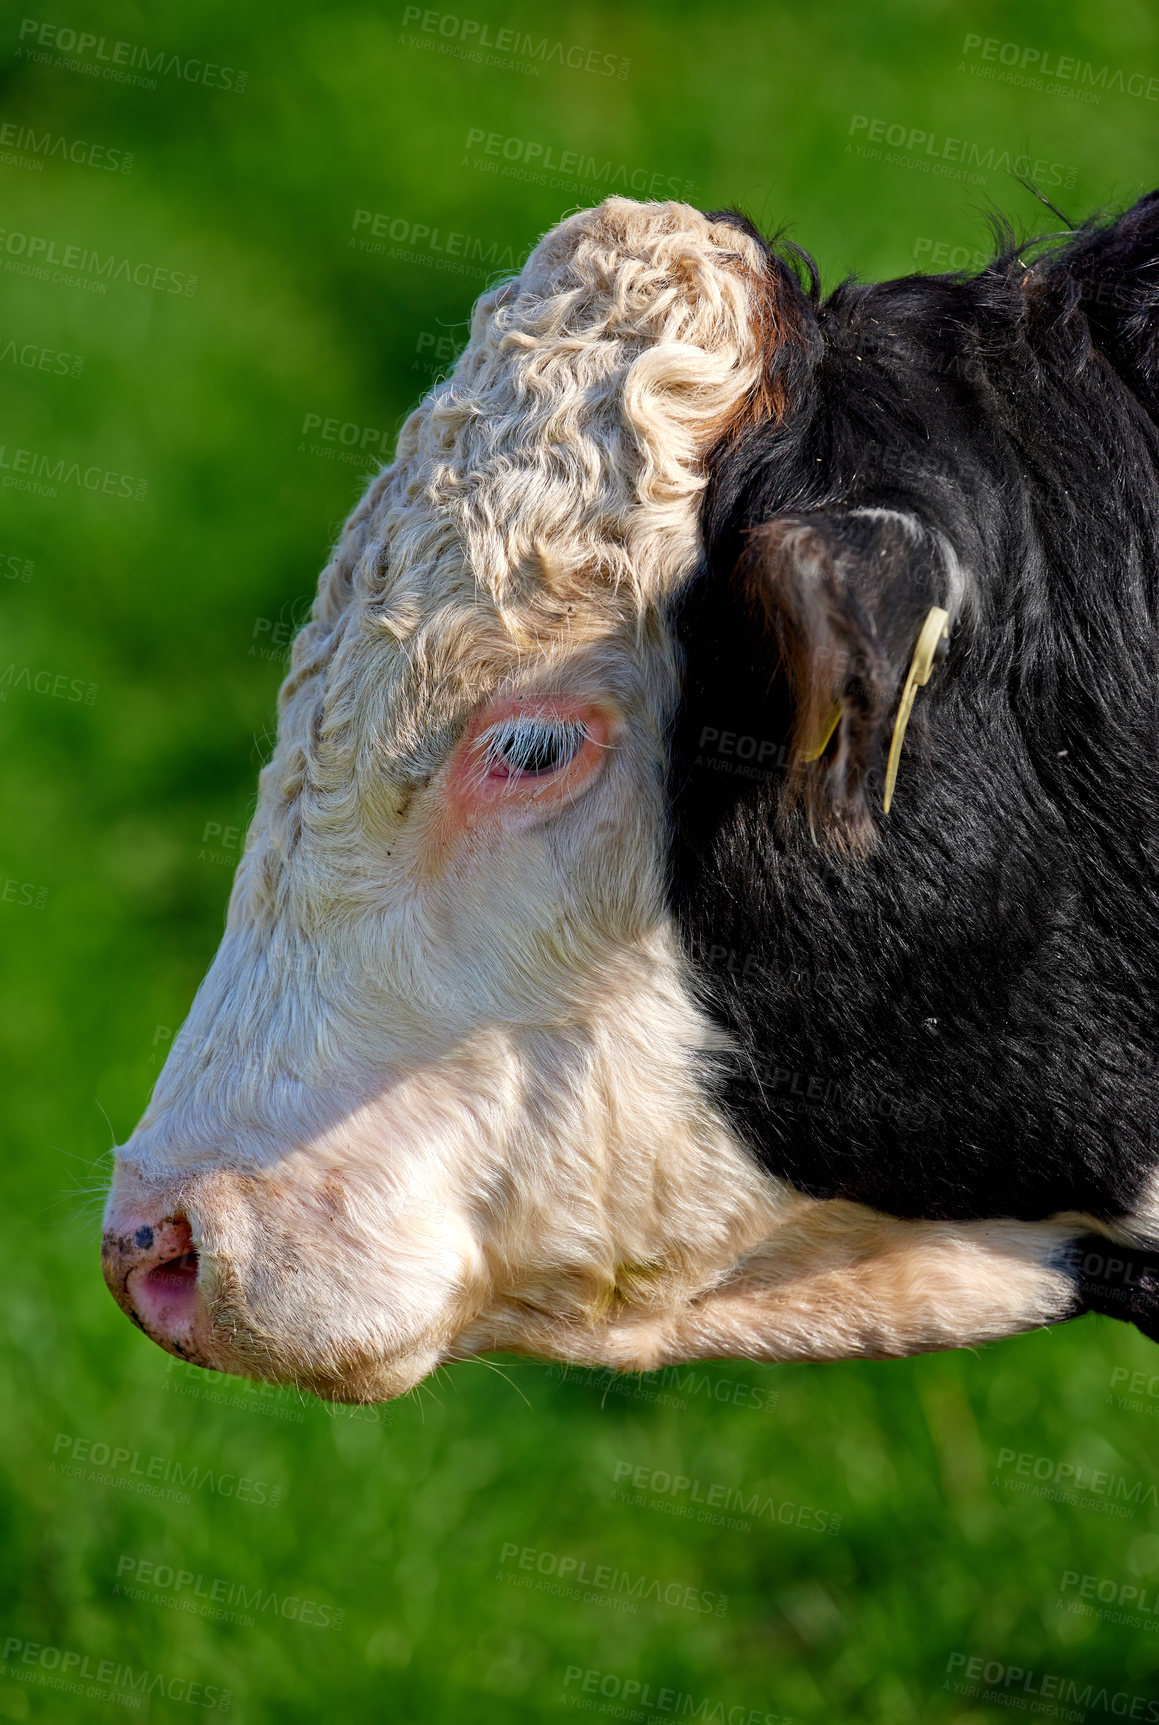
[544, 496]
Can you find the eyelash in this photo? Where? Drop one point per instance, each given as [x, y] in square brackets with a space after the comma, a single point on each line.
[509, 748]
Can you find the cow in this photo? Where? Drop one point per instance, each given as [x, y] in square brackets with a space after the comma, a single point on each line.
[702, 901]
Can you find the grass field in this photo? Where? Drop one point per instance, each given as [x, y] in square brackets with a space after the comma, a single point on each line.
[851, 1536]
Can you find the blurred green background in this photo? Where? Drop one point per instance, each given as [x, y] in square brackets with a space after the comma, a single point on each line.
[176, 455]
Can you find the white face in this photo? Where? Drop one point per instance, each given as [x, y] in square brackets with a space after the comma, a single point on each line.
[438, 1091]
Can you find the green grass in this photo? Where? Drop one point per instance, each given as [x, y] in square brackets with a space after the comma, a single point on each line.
[170, 606]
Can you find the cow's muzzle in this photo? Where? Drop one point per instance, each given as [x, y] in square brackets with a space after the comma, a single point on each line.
[264, 1278]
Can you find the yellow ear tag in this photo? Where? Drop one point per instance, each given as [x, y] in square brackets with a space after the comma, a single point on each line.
[934, 629]
[818, 749]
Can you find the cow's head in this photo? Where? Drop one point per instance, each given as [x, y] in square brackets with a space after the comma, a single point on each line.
[453, 1081]
[442, 1085]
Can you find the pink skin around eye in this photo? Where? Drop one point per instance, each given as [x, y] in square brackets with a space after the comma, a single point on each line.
[472, 793]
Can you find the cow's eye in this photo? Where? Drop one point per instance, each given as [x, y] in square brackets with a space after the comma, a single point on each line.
[523, 757]
[519, 747]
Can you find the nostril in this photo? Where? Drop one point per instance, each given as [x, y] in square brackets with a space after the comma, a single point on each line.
[175, 1274]
[161, 1289]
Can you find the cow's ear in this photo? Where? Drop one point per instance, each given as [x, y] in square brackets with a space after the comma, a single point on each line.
[845, 599]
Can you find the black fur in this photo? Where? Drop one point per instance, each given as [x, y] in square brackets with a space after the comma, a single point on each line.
[1121, 1282]
[949, 1011]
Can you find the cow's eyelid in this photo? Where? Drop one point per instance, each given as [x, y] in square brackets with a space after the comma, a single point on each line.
[527, 745]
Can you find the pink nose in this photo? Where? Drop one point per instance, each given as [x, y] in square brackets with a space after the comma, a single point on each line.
[151, 1267]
